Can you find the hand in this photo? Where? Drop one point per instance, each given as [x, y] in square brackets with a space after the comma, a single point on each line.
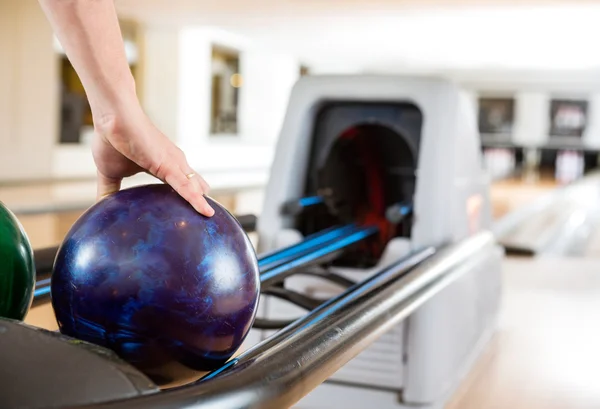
[125, 142]
[128, 143]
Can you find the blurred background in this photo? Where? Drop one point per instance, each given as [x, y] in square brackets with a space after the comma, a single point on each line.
[215, 77]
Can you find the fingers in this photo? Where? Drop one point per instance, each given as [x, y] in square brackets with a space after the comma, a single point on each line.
[175, 171]
[194, 177]
[106, 186]
[157, 155]
[205, 186]
[189, 185]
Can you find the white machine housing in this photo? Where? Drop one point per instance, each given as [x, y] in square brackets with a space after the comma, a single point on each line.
[421, 361]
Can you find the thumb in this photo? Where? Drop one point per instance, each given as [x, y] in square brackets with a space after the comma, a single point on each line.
[107, 186]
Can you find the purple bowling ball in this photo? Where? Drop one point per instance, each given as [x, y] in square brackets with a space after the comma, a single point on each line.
[172, 292]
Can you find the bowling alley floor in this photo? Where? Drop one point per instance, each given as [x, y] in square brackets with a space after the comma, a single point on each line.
[545, 354]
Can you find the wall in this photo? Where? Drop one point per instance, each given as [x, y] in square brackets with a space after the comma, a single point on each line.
[532, 117]
[176, 85]
[268, 78]
[175, 89]
[533, 91]
[592, 135]
[175, 92]
[159, 81]
[28, 91]
[265, 95]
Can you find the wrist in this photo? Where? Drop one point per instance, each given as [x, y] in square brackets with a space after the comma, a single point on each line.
[116, 102]
[113, 116]
[112, 96]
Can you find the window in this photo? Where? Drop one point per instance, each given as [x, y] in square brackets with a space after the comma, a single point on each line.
[568, 118]
[226, 82]
[496, 115]
[76, 120]
[75, 112]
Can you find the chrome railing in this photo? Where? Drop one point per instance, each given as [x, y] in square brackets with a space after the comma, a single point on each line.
[278, 372]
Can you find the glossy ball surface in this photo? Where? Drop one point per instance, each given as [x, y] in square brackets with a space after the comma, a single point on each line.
[17, 268]
[169, 290]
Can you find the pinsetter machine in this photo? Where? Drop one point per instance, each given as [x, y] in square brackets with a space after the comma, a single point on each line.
[380, 279]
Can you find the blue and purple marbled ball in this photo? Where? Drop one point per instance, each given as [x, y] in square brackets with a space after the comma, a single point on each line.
[171, 291]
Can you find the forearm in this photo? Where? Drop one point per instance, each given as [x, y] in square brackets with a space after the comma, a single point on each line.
[91, 37]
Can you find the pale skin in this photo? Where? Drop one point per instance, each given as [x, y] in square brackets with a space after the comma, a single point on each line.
[126, 142]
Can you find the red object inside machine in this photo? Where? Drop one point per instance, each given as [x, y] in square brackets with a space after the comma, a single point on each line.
[371, 211]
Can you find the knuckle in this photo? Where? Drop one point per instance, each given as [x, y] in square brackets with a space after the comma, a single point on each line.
[109, 125]
[158, 165]
[185, 186]
[158, 168]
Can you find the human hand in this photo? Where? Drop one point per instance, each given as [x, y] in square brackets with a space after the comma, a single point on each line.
[125, 142]
[128, 143]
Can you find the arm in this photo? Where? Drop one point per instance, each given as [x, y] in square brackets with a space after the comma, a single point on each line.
[125, 142]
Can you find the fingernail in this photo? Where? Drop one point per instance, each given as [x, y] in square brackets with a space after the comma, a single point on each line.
[205, 209]
[209, 211]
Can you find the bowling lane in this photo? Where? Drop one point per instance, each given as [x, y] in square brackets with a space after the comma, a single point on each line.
[560, 221]
[513, 193]
[593, 247]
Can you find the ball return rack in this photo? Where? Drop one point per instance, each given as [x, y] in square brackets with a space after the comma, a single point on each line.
[303, 353]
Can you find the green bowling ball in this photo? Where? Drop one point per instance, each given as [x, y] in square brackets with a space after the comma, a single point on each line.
[17, 269]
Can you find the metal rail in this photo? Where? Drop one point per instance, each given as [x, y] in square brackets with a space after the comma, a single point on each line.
[296, 207]
[322, 254]
[278, 257]
[280, 371]
[41, 292]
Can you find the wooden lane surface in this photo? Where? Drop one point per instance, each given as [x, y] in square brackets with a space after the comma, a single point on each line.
[510, 194]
